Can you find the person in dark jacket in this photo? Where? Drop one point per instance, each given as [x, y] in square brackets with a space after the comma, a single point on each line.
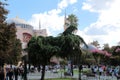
[16, 73]
[1, 74]
[10, 74]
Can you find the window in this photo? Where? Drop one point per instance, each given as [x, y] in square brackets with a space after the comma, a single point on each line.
[26, 37]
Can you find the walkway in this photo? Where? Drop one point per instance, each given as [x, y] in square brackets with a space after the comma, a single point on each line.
[48, 74]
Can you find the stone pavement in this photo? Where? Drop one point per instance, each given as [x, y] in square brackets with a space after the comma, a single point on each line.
[48, 74]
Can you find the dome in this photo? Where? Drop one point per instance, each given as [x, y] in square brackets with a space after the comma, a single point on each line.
[20, 22]
[90, 47]
[17, 20]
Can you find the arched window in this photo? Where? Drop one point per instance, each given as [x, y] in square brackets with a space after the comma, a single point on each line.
[26, 37]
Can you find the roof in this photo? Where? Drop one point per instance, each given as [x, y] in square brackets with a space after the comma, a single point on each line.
[90, 47]
[17, 20]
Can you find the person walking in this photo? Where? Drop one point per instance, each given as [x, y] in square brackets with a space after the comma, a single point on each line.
[10, 74]
[16, 73]
[1, 74]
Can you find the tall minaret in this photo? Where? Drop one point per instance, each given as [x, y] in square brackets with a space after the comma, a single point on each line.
[39, 24]
[66, 22]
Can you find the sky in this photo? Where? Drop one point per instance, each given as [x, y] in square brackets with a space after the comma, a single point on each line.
[99, 20]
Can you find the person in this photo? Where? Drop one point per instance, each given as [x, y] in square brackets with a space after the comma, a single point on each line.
[95, 70]
[100, 70]
[1, 74]
[16, 73]
[10, 74]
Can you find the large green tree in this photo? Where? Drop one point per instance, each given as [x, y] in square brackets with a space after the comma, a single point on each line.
[70, 47]
[70, 41]
[116, 55]
[40, 51]
[67, 45]
[7, 38]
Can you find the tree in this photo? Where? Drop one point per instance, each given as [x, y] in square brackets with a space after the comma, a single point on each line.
[7, 37]
[106, 47]
[73, 20]
[40, 51]
[70, 46]
[3, 12]
[15, 55]
[96, 44]
[70, 41]
[116, 56]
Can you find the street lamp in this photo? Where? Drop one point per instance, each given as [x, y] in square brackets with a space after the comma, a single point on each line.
[25, 55]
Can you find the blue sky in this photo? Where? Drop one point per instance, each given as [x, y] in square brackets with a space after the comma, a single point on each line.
[98, 19]
[25, 9]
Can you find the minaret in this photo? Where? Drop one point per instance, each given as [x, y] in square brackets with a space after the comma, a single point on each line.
[39, 24]
[65, 21]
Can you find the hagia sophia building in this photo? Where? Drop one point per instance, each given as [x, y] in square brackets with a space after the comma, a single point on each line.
[25, 31]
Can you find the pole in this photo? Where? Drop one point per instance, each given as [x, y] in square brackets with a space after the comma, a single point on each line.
[80, 68]
[25, 67]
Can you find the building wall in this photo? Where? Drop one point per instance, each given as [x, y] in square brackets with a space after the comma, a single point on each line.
[20, 32]
[41, 32]
[25, 31]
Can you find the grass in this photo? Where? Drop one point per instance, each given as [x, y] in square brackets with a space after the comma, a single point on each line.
[60, 79]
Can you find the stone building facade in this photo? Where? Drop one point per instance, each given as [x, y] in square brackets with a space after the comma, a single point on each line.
[25, 31]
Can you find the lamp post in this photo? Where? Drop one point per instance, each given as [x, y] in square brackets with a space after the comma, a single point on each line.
[25, 64]
[79, 67]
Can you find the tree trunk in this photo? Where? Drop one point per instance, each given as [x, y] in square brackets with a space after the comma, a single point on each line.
[43, 72]
[39, 68]
[80, 68]
[72, 68]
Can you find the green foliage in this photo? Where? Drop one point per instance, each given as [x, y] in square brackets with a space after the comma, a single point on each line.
[3, 12]
[7, 39]
[61, 79]
[41, 49]
[116, 56]
[67, 45]
[70, 43]
[73, 20]
[70, 30]
[15, 54]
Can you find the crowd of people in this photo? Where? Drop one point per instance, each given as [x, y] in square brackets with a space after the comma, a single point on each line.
[106, 70]
[11, 73]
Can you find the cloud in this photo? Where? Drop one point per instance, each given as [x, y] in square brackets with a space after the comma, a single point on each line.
[51, 20]
[106, 28]
[96, 5]
[64, 3]
[86, 38]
